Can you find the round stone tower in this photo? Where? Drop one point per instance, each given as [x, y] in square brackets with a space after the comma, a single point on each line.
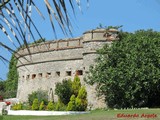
[93, 40]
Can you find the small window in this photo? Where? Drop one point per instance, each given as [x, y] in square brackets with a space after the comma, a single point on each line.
[79, 72]
[33, 76]
[22, 77]
[48, 74]
[27, 77]
[40, 75]
[68, 73]
[58, 73]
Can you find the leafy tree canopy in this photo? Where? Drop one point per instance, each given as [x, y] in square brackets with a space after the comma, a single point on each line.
[128, 72]
[64, 90]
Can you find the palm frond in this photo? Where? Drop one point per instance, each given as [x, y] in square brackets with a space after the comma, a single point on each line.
[18, 25]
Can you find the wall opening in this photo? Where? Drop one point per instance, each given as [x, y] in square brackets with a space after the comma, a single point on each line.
[39, 75]
[48, 74]
[68, 73]
[58, 73]
[79, 72]
[33, 76]
[27, 77]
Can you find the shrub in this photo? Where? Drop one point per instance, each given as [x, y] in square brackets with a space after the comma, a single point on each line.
[81, 100]
[26, 106]
[41, 95]
[72, 104]
[42, 106]
[35, 105]
[64, 91]
[60, 106]
[17, 106]
[50, 106]
[76, 85]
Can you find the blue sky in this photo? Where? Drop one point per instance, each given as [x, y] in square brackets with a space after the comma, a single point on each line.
[132, 14]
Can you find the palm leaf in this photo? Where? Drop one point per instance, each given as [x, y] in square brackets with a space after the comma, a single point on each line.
[19, 26]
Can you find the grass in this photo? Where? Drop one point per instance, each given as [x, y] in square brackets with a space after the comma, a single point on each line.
[95, 115]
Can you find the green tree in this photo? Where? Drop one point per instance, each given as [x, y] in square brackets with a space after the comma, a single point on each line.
[2, 85]
[2, 88]
[60, 106]
[12, 78]
[72, 104]
[128, 72]
[50, 106]
[42, 106]
[76, 85]
[35, 105]
[64, 90]
[81, 100]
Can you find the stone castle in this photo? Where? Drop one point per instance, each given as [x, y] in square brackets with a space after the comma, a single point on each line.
[53, 61]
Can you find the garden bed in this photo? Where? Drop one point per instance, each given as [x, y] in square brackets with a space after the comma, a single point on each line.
[43, 113]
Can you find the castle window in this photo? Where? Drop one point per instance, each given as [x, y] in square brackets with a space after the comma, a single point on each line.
[79, 72]
[68, 73]
[27, 77]
[58, 73]
[39, 75]
[33, 76]
[48, 74]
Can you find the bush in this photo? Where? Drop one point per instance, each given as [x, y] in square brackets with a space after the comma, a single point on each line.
[42, 106]
[72, 104]
[50, 106]
[81, 100]
[64, 91]
[35, 105]
[26, 106]
[76, 85]
[60, 106]
[41, 95]
[17, 106]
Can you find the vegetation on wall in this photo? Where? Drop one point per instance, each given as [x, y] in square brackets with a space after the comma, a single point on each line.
[128, 72]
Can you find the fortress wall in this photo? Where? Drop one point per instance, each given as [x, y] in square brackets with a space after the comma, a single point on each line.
[93, 40]
[43, 68]
[46, 76]
[51, 45]
[57, 55]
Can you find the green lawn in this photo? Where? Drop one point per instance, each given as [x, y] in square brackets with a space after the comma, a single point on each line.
[96, 115]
